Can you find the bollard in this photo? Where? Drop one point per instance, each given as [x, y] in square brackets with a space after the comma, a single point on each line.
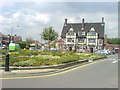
[7, 63]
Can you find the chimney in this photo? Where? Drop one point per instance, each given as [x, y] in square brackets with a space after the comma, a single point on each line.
[65, 21]
[102, 19]
[83, 23]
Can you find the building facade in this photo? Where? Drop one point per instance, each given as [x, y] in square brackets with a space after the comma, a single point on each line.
[83, 37]
[6, 39]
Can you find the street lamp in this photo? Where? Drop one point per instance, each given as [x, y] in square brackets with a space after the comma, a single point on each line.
[11, 38]
[7, 55]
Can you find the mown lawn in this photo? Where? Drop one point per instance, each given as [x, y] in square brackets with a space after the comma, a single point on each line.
[38, 58]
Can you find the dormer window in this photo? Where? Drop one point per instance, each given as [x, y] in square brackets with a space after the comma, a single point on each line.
[92, 32]
[71, 32]
[70, 39]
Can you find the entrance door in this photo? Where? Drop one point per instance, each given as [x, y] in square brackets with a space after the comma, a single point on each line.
[70, 48]
[91, 50]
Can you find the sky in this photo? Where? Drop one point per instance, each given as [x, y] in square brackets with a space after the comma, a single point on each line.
[32, 17]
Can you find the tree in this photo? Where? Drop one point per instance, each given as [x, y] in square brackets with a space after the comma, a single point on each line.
[22, 44]
[114, 41]
[28, 42]
[49, 34]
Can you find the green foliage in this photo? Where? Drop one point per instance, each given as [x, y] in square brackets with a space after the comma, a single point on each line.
[4, 52]
[53, 45]
[28, 52]
[22, 44]
[57, 53]
[28, 42]
[49, 34]
[115, 41]
[38, 58]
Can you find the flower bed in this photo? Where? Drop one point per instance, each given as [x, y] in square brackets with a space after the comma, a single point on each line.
[38, 58]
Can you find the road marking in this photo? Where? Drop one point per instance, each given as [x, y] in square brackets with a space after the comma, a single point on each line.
[114, 61]
[58, 72]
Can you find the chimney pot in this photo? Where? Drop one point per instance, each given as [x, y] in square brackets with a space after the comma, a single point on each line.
[83, 20]
[66, 21]
[102, 19]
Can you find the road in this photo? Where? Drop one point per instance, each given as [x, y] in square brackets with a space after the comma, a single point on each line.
[103, 74]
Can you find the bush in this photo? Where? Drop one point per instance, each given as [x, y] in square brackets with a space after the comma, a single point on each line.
[22, 45]
[28, 52]
[4, 52]
[37, 58]
[57, 53]
[28, 63]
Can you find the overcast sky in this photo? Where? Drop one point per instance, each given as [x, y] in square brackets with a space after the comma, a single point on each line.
[32, 17]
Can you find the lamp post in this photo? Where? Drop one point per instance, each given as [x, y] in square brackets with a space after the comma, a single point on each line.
[7, 55]
[11, 37]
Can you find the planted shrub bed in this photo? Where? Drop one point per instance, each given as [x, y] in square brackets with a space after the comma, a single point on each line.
[38, 58]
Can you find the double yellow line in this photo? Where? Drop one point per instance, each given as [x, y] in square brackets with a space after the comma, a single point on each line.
[58, 72]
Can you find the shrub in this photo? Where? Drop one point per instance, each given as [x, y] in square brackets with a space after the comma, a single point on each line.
[28, 63]
[57, 53]
[44, 52]
[4, 52]
[37, 58]
[28, 52]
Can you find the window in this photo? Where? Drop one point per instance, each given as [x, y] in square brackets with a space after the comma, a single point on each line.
[92, 33]
[81, 40]
[91, 40]
[70, 39]
[70, 33]
[81, 32]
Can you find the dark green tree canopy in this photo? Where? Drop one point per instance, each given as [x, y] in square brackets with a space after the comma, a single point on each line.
[114, 41]
[49, 34]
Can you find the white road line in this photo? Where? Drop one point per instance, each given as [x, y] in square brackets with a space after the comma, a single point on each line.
[114, 61]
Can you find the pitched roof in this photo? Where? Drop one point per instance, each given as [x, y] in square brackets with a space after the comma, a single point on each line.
[2, 35]
[87, 26]
[17, 38]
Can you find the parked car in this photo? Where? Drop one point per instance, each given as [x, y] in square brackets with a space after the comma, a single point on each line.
[105, 52]
[32, 48]
[112, 52]
[53, 49]
[46, 49]
[4, 47]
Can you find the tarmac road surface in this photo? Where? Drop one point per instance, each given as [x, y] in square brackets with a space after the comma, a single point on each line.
[103, 74]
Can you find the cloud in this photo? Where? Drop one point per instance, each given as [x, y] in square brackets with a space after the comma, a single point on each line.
[16, 15]
[33, 17]
[42, 17]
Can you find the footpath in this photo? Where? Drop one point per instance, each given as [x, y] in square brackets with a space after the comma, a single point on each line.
[43, 70]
